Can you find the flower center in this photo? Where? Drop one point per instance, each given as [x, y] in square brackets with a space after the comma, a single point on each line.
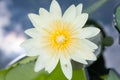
[60, 35]
[60, 39]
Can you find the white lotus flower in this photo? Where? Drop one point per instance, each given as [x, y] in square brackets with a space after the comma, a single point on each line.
[60, 37]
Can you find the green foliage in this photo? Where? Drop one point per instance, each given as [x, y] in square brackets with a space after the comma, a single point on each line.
[2, 74]
[57, 74]
[23, 72]
[79, 74]
[112, 76]
[108, 41]
[95, 6]
[24, 61]
[26, 72]
[27, 60]
[117, 18]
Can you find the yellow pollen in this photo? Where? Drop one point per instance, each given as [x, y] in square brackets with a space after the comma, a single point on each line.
[60, 36]
[60, 39]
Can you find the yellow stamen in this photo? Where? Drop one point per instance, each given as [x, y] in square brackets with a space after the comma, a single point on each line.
[61, 36]
[60, 39]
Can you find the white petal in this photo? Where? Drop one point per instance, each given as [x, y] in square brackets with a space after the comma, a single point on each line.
[70, 14]
[38, 65]
[78, 58]
[79, 9]
[86, 55]
[32, 47]
[43, 12]
[41, 61]
[80, 20]
[89, 32]
[84, 47]
[90, 44]
[35, 19]
[83, 51]
[55, 9]
[51, 64]
[34, 33]
[39, 21]
[66, 67]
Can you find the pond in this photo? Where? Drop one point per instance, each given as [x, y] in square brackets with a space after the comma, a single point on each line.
[14, 20]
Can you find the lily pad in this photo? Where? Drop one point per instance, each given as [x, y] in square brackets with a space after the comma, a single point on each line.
[95, 6]
[26, 72]
[117, 18]
[112, 76]
[108, 41]
[3, 74]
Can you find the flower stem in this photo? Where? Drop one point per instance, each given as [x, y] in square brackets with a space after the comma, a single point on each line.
[79, 74]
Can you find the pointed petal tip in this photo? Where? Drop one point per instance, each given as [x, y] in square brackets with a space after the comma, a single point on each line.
[69, 78]
[80, 4]
[36, 69]
[89, 32]
[54, 2]
[86, 15]
[40, 10]
[79, 8]
[94, 58]
[97, 30]
[78, 59]
[51, 65]
[30, 15]
[73, 6]
[31, 32]
[69, 14]
[55, 9]
[85, 63]
[48, 71]
[22, 44]
[66, 67]
[26, 31]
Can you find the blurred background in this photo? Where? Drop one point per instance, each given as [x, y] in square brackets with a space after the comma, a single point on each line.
[14, 20]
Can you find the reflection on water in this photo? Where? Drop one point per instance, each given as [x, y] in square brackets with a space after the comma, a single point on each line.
[4, 14]
[14, 20]
[105, 17]
[11, 43]
[9, 40]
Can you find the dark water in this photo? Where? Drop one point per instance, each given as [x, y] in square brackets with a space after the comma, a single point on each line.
[14, 21]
